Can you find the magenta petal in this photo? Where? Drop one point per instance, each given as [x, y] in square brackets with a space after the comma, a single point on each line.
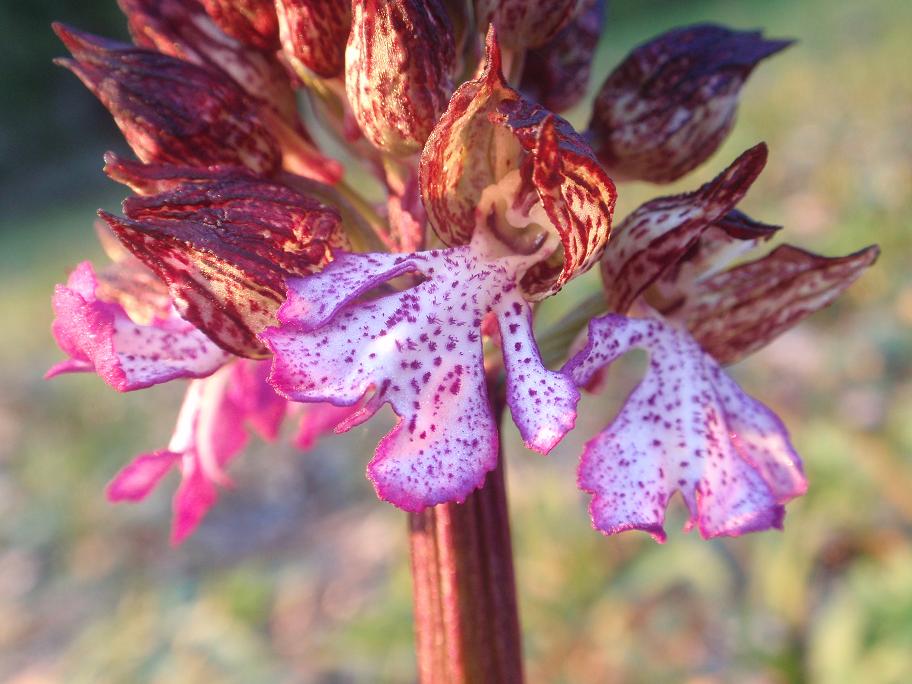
[211, 431]
[99, 336]
[420, 351]
[195, 496]
[141, 475]
[686, 427]
[263, 409]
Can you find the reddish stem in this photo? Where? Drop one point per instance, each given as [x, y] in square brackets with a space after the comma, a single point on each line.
[466, 618]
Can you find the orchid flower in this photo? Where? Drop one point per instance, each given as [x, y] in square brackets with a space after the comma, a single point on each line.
[248, 265]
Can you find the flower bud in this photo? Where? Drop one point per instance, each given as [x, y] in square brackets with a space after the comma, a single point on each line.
[557, 74]
[398, 70]
[672, 101]
[225, 246]
[253, 22]
[525, 24]
[182, 29]
[499, 158]
[313, 34]
[170, 110]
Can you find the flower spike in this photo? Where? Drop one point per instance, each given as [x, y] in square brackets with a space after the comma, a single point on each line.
[550, 183]
[99, 336]
[421, 351]
[225, 247]
[687, 427]
[672, 101]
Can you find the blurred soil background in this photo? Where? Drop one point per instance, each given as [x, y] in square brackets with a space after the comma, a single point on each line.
[301, 575]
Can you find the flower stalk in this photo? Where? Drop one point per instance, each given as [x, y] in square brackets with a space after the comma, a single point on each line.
[464, 589]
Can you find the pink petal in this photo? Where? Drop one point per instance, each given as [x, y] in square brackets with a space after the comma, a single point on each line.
[420, 351]
[687, 427]
[141, 475]
[100, 337]
[263, 409]
[661, 232]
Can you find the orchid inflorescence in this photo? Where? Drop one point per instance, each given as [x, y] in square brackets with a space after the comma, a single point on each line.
[245, 264]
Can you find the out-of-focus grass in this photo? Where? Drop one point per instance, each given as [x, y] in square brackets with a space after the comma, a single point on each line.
[300, 575]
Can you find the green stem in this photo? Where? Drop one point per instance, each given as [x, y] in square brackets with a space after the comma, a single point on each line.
[556, 340]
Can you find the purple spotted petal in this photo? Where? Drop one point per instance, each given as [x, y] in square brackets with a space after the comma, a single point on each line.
[100, 337]
[420, 350]
[687, 427]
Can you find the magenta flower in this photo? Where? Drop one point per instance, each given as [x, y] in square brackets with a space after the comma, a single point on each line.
[245, 264]
[100, 336]
[212, 428]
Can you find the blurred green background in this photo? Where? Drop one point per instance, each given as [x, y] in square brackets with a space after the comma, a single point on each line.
[301, 575]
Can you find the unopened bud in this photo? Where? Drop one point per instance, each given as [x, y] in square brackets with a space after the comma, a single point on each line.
[170, 110]
[313, 34]
[525, 24]
[672, 101]
[253, 22]
[557, 73]
[398, 70]
[224, 248]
